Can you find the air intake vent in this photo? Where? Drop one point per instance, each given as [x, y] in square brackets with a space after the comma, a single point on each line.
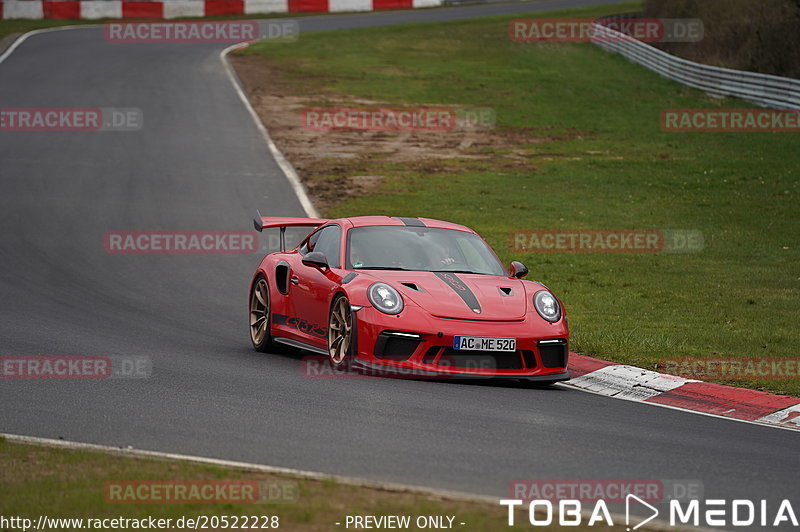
[396, 346]
[506, 291]
[413, 287]
[553, 353]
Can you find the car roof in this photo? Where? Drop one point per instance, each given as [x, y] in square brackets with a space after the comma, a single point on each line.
[367, 221]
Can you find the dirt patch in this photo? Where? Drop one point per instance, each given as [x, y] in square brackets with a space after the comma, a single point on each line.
[336, 165]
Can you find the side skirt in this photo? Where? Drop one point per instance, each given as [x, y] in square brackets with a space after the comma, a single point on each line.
[300, 345]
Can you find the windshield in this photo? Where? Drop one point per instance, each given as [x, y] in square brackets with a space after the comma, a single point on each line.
[420, 249]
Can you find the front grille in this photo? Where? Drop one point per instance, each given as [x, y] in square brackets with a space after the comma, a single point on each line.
[430, 355]
[553, 355]
[530, 360]
[480, 359]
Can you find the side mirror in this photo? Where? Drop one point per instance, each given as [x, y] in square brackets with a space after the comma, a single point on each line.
[316, 259]
[518, 270]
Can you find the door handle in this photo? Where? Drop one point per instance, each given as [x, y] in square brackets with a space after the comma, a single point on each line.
[295, 280]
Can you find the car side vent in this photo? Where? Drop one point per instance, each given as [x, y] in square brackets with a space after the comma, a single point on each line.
[506, 291]
[282, 277]
[413, 286]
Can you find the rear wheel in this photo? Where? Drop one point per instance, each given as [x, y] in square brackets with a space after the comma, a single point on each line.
[260, 314]
[341, 340]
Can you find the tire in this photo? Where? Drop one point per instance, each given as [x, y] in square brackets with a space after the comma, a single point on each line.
[341, 333]
[260, 316]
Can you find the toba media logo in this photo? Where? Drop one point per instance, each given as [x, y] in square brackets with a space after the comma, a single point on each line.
[709, 512]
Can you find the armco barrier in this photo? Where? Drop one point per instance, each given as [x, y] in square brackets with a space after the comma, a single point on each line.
[762, 89]
[170, 9]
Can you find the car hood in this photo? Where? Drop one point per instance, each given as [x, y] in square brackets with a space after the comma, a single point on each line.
[460, 295]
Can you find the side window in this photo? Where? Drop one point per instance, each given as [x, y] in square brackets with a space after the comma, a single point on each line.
[327, 241]
[309, 244]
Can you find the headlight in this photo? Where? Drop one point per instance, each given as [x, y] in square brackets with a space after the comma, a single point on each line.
[547, 306]
[385, 298]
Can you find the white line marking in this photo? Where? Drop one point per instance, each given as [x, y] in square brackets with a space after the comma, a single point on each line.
[247, 466]
[283, 163]
[22, 38]
[31, 33]
[19, 40]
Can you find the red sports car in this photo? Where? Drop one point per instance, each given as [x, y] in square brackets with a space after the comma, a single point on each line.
[411, 295]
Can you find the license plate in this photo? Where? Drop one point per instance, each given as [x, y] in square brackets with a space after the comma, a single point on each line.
[481, 343]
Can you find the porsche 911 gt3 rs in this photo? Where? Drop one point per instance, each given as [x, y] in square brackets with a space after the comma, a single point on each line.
[406, 294]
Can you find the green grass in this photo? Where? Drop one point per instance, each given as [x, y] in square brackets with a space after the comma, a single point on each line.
[60, 483]
[606, 165]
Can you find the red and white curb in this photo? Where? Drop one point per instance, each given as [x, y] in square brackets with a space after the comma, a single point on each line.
[170, 9]
[636, 384]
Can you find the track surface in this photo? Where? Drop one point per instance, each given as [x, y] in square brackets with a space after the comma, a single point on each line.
[200, 163]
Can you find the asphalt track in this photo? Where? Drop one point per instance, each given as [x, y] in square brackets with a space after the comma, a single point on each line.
[200, 163]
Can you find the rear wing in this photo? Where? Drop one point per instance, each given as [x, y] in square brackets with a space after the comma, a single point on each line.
[267, 222]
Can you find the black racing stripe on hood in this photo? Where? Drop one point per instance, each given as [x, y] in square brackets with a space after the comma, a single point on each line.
[412, 222]
[460, 287]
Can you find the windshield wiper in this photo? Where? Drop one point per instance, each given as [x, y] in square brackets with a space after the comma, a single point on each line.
[383, 268]
[397, 268]
[456, 271]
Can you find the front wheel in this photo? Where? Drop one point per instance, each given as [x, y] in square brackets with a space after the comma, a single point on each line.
[260, 314]
[341, 338]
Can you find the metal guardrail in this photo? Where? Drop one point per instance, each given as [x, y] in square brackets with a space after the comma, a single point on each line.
[763, 89]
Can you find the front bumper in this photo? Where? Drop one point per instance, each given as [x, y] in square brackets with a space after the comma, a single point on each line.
[415, 343]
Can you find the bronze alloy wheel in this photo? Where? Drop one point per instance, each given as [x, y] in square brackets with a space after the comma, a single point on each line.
[259, 313]
[340, 331]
